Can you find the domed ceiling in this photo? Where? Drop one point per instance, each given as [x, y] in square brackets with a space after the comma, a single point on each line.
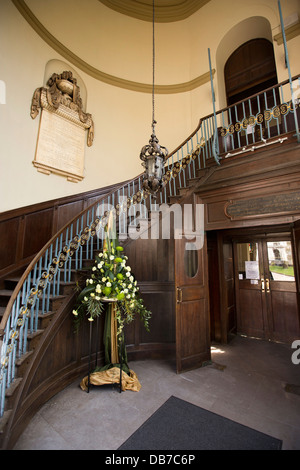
[166, 11]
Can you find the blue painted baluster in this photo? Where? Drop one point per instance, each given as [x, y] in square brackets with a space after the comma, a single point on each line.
[252, 126]
[193, 161]
[188, 167]
[229, 124]
[206, 140]
[71, 249]
[284, 116]
[48, 289]
[211, 136]
[80, 232]
[276, 117]
[78, 249]
[244, 118]
[182, 172]
[10, 366]
[44, 280]
[224, 138]
[35, 309]
[238, 132]
[266, 107]
[202, 150]
[3, 385]
[258, 113]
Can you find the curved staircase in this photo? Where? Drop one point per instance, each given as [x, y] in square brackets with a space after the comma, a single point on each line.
[40, 354]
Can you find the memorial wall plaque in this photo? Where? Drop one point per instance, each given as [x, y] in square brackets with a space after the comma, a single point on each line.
[288, 203]
[63, 124]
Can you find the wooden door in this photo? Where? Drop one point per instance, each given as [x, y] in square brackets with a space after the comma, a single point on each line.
[251, 310]
[280, 290]
[192, 306]
[266, 295]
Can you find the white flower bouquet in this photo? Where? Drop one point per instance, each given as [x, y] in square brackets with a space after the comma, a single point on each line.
[111, 280]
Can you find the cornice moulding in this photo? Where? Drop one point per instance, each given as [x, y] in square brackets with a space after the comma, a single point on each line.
[290, 33]
[38, 27]
[165, 11]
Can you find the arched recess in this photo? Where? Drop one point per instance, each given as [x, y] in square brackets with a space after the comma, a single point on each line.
[251, 28]
[250, 69]
[58, 66]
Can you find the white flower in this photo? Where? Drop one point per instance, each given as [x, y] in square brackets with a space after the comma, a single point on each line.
[91, 281]
[98, 288]
[108, 284]
[100, 255]
[75, 313]
[90, 319]
[100, 264]
[103, 279]
[128, 296]
[125, 291]
[128, 268]
[97, 297]
[94, 268]
[92, 294]
[111, 257]
[131, 279]
[130, 286]
[85, 298]
[128, 274]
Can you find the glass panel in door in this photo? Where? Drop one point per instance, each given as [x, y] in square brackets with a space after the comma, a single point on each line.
[280, 261]
[248, 261]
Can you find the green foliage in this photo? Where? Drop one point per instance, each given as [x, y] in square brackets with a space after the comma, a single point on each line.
[110, 279]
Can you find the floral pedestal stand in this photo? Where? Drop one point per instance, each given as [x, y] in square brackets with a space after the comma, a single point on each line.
[116, 368]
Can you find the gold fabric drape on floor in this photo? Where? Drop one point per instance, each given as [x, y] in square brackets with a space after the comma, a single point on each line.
[112, 376]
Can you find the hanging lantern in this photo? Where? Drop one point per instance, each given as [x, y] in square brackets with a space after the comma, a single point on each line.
[154, 157]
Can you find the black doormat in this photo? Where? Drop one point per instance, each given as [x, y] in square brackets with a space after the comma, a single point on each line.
[179, 425]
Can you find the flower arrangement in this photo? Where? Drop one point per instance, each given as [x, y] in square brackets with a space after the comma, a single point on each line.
[111, 280]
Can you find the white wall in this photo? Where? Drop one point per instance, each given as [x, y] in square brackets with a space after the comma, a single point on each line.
[120, 46]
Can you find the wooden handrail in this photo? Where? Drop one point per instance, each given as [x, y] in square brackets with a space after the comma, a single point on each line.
[43, 250]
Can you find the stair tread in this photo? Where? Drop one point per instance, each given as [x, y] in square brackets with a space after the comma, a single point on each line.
[6, 292]
[15, 383]
[4, 420]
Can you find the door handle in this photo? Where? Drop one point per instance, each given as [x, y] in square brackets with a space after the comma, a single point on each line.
[262, 284]
[268, 285]
[179, 295]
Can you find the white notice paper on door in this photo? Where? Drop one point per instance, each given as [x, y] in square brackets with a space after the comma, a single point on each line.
[252, 269]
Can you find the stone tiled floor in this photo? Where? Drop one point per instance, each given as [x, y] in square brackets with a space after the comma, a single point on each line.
[250, 389]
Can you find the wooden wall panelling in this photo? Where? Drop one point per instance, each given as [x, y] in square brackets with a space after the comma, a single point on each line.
[229, 287]
[152, 263]
[24, 231]
[66, 212]
[214, 287]
[9, 231]
[37, 228]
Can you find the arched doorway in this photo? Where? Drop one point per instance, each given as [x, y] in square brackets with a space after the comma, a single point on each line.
[250, 69]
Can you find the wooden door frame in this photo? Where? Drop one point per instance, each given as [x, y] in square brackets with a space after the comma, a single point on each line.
[268, 313]
[280, 231]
